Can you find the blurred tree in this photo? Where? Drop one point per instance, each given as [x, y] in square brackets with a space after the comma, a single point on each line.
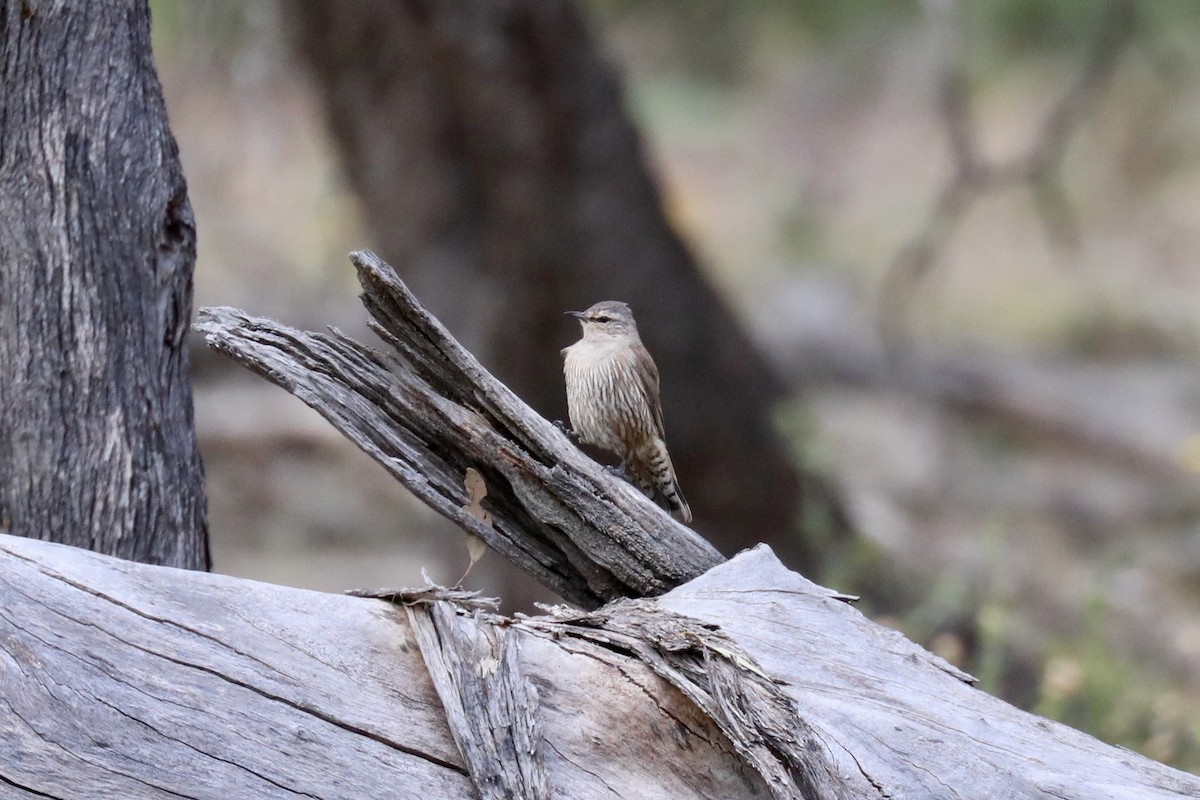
[97, 246]
[500, 172]
[1039, 168]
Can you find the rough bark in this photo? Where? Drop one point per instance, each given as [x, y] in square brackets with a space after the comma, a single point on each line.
[97, 246]
[125, 680]
[499, 170]
[429, 411]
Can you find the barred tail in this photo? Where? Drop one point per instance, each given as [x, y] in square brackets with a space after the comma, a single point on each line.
[678, 504]
[654, 474]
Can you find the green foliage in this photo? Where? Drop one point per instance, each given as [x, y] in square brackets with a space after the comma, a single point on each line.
[845, 560]
[802, 230]
[1018, 26]
[1079, 679]
[850, 564]
[715, 39]
[827, 20]
[1054, 26]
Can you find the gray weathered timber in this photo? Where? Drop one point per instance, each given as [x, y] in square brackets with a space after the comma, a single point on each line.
[899, 721]
[125, 680]
[97, 245]
[429, 411]
[776, 687]
[723, 680]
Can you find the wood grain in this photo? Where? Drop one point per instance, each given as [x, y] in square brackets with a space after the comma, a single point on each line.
[124, 680]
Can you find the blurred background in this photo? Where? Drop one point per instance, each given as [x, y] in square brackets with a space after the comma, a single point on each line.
[961, 238]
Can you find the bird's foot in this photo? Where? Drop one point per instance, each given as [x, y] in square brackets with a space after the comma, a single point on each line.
[570, 434]
[619, 471]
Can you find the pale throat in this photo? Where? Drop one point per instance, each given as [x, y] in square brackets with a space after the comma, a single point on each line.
[597, 349]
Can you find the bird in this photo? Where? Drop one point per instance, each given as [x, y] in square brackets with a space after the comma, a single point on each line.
[613, 401]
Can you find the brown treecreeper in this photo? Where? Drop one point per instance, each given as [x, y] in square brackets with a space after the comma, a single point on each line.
[612, 400]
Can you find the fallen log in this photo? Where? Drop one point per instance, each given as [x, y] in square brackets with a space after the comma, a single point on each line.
[684, 676]
[127, 680]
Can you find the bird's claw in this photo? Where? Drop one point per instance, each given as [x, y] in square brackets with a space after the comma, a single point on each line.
[570, 434]
[618, 471]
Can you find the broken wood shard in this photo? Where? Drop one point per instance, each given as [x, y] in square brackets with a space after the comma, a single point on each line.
[125, 680]
[723, 681]
[489, 701]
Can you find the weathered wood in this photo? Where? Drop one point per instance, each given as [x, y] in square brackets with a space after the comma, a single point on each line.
[799, 694]
[431, 411]
[97, 245]
[126, 680]
[490, 705]
[723, 681]
[119, 679]
[897, 720]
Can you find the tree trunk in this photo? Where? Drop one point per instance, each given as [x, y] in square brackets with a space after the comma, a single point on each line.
[97, 246]
[499, 170]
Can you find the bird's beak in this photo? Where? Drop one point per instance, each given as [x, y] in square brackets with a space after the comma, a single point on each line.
[576, 314]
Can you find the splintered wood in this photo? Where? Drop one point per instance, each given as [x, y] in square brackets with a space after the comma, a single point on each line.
[813, 700]
[427, 412]
[126, 680]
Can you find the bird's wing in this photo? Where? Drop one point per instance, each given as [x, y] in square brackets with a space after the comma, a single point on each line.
[648, 373]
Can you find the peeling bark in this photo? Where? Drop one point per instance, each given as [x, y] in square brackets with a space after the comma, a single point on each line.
[490, 704]
[124, 680]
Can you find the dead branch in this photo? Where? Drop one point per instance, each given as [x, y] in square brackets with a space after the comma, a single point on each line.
[427, 411]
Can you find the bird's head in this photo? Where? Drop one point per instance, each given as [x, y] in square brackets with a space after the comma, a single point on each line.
[608, 319]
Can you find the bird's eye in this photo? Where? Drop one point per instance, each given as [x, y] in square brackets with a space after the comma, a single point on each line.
[603, 319]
